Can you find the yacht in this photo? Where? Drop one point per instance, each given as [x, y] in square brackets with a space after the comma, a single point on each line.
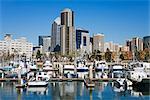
[33, 82]
[47, 66]
[81, 66]
[69, 71]
[100, 66]
[140, 73]
[118, 72]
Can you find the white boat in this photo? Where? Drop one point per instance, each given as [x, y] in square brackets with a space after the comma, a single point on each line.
[101, 75]
[33, 82]
[119, 73]
[81, 66]
[42, 75]
[140, 73]
[100, 66]
[69, 71]
[82, 74]
[37, 83]
[48, 66]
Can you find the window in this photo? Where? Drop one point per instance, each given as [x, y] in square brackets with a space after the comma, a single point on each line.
[84, 41]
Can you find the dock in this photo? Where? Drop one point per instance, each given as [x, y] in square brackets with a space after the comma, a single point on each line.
[63, 79]
[81, 79]
[9, 80]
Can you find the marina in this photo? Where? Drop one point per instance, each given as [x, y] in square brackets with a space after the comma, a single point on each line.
[43, 81]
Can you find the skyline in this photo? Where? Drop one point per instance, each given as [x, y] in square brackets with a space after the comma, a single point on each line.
[29, 18]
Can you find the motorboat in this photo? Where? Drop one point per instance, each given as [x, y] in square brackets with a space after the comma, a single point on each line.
[81, 66]
[47, 66]
[69, 71]
[140, 73]
[118, 72]
[37, 83]
[82, 74]
[100, 66]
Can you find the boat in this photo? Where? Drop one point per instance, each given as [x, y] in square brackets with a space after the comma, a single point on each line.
[47, 66]
[69, 71]
[40, 79]
[140, 73]
[81, 66]
[37, 83]
[100, 66]
[118, 72]
[82, 74]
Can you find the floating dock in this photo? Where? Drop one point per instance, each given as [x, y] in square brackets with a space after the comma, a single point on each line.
[9, 80]
[63, 79]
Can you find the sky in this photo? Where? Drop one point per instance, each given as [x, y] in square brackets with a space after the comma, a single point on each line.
[119, 20]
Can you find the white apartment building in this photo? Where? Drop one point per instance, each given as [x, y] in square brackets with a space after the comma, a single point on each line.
[19, 46]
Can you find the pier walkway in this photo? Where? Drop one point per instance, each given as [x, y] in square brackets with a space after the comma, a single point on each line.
[62, 79]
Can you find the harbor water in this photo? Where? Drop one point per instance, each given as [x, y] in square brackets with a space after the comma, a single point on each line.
[70, 91]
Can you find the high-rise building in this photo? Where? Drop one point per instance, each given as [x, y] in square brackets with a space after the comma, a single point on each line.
[83, 41]
[137, 43]
[113, 47]
[46, 44]
[41, 40]
[55, 35]
[98, 42]
[146, 42]
[129, 44]
[67, 32]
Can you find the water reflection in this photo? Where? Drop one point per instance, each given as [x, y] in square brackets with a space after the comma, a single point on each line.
[69, 91]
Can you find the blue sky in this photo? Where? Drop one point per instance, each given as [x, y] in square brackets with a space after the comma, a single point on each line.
[119, 20]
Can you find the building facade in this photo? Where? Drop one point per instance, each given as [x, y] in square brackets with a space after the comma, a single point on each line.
[113, 47]
[83, 41]
[67, 32]
[17, 46]
[46, 44]
[137, 43]
[98, 42]
[129, 44]
[41, 39]
[55, 35]
[146, 42]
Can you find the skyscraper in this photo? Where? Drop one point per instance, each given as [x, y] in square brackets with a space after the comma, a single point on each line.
[98, 42]
[137, 43]
[67, 33]
[55, 35]
[83, 41]
[46, 44]
[129, 44]
[41, 40]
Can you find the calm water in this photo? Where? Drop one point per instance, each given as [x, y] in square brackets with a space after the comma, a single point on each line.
[70, 91]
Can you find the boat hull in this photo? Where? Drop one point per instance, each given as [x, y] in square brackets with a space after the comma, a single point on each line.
[37, 84]
[82, 70]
